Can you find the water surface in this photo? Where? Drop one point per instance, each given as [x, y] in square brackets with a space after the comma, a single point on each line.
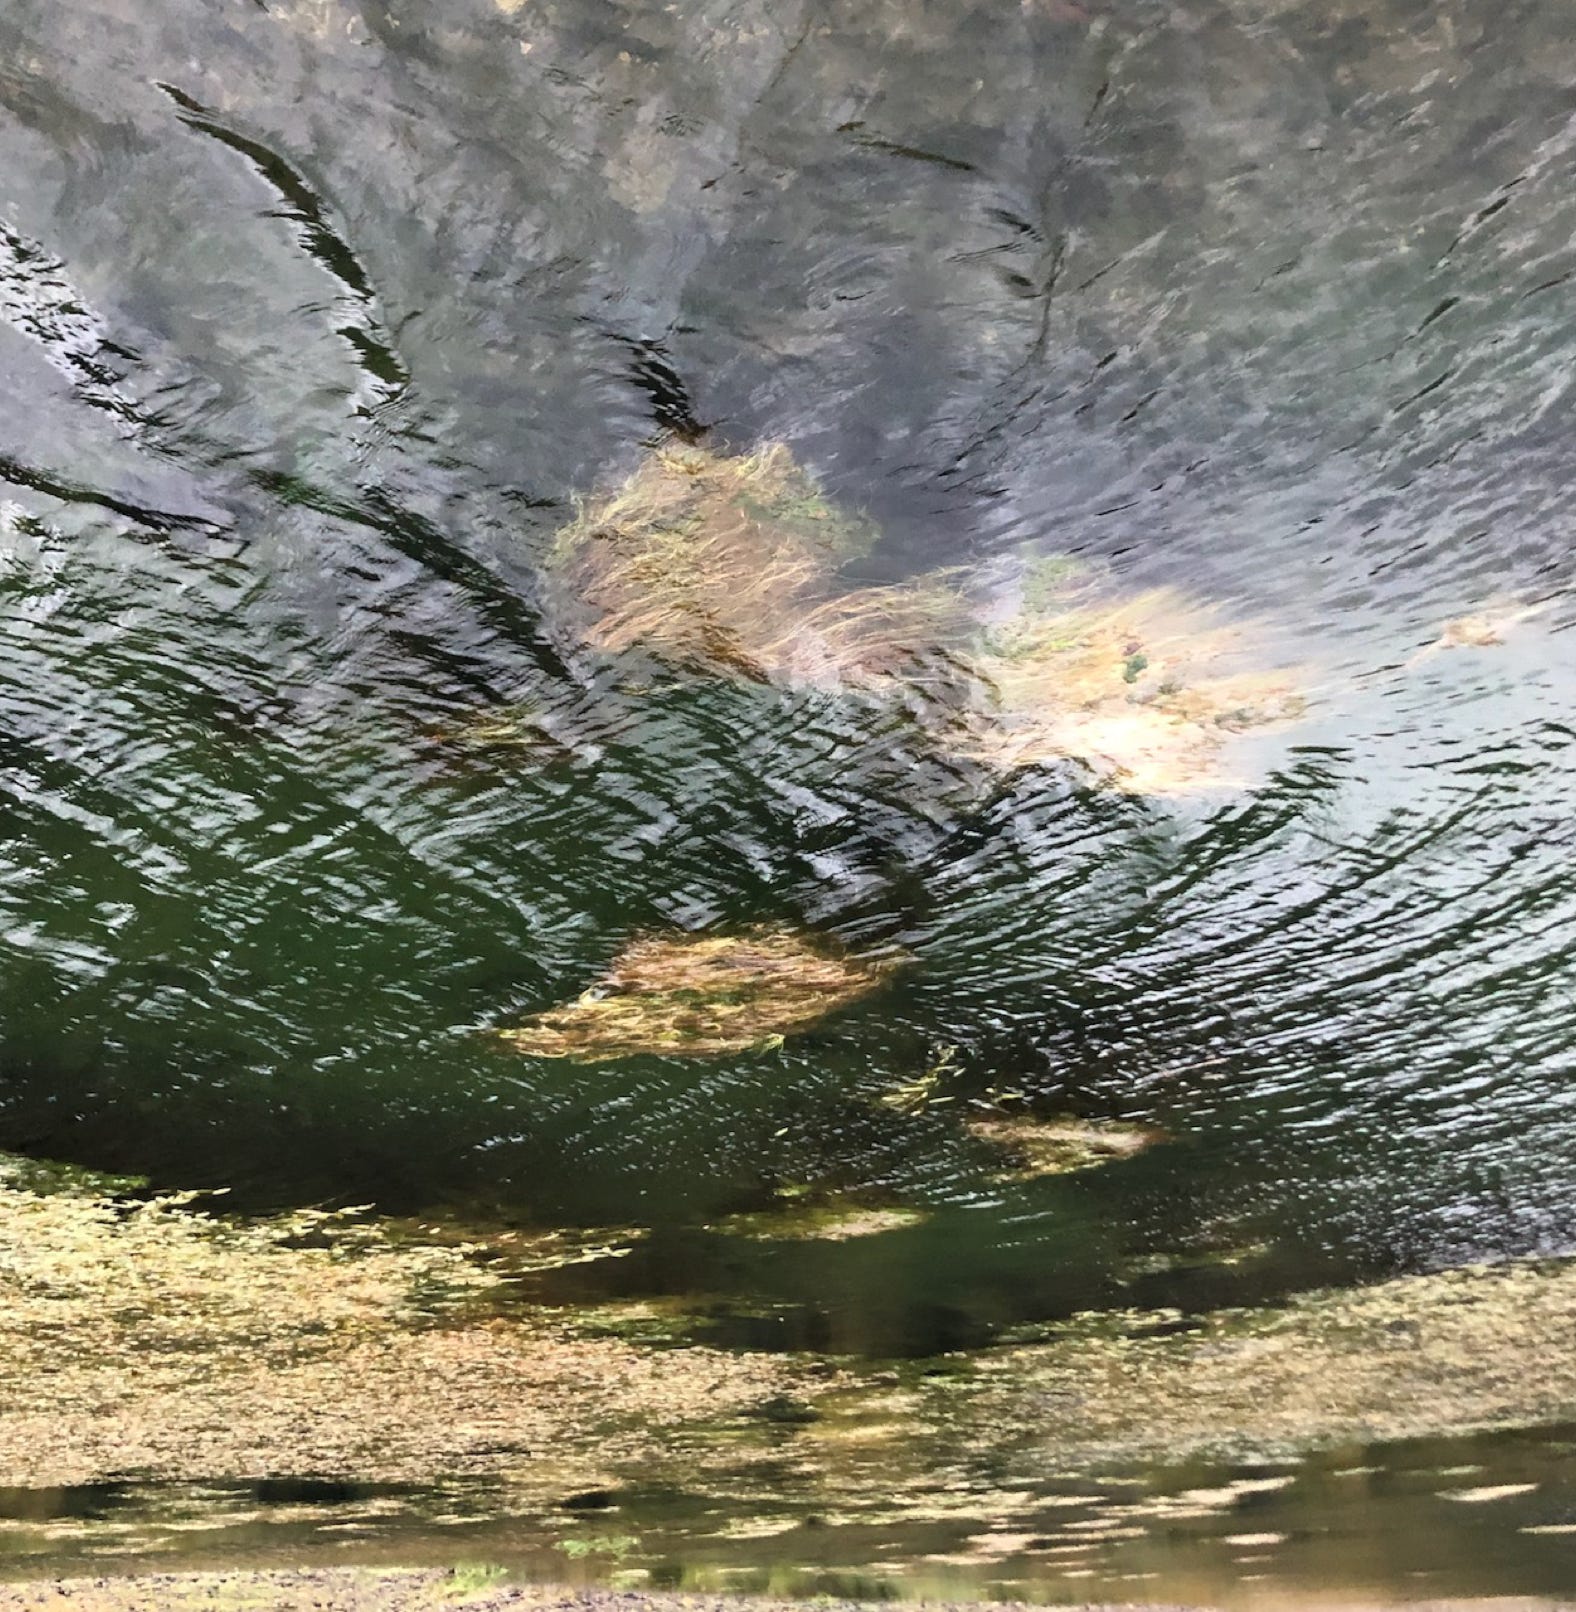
[315, 318]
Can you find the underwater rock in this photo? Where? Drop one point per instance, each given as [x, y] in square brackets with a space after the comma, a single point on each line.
[1031, 1147]
[699, 996]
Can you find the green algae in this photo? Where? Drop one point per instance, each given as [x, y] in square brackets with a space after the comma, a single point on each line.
[46, 1177]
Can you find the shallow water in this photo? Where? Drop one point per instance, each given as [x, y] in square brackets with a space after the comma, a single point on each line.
[1415, 1521]
[315, 318]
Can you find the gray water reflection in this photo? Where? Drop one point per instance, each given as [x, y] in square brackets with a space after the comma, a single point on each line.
[314, 318]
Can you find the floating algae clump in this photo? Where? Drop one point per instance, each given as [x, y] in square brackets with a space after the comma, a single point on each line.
[728, 565]
[699, 996]
[1146, 691]
[710, 561]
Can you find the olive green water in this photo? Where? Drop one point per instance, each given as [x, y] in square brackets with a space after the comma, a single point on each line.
[315, 317]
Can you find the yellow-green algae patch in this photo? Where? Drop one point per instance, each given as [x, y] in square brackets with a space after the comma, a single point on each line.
[835, 1219]
[706, 560]
[1146, 691]
[142, 1338]
[697, 996]
[1461, 1351]
[1030, 1147]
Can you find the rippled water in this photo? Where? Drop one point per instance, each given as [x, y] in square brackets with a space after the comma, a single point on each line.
[315, 318]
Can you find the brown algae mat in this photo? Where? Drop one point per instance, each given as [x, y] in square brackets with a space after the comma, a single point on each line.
[700, 996]
[1463, 1351]
[143, 1339]
[393, 1590]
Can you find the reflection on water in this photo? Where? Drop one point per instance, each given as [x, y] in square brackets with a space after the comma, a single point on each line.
[1430, 1518]
[317, 317]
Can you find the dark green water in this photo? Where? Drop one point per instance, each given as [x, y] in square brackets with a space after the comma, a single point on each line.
[315, 315]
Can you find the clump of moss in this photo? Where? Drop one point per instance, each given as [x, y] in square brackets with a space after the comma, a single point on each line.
[1029, 1147]
[699, 996]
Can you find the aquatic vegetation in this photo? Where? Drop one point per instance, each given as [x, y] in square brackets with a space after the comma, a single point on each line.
[1031, 1147]
[144, 1337]
[1483, 629]
[467, 1580]
[700, 996]
[44, 1177]
[516, 727]
[708, 561]
[926, 1090]
[1047, 582]
[1459, 1351]
[727, 565]
[616, 1546]
[1145, 691]
[324, 1589]
[1222, 1256]
[836, 1218]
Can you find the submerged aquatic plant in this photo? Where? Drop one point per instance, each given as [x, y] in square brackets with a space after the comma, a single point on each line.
[703, 559]
[1145, 691]
[728, 565]
[698, 996]
[1029, 1147]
